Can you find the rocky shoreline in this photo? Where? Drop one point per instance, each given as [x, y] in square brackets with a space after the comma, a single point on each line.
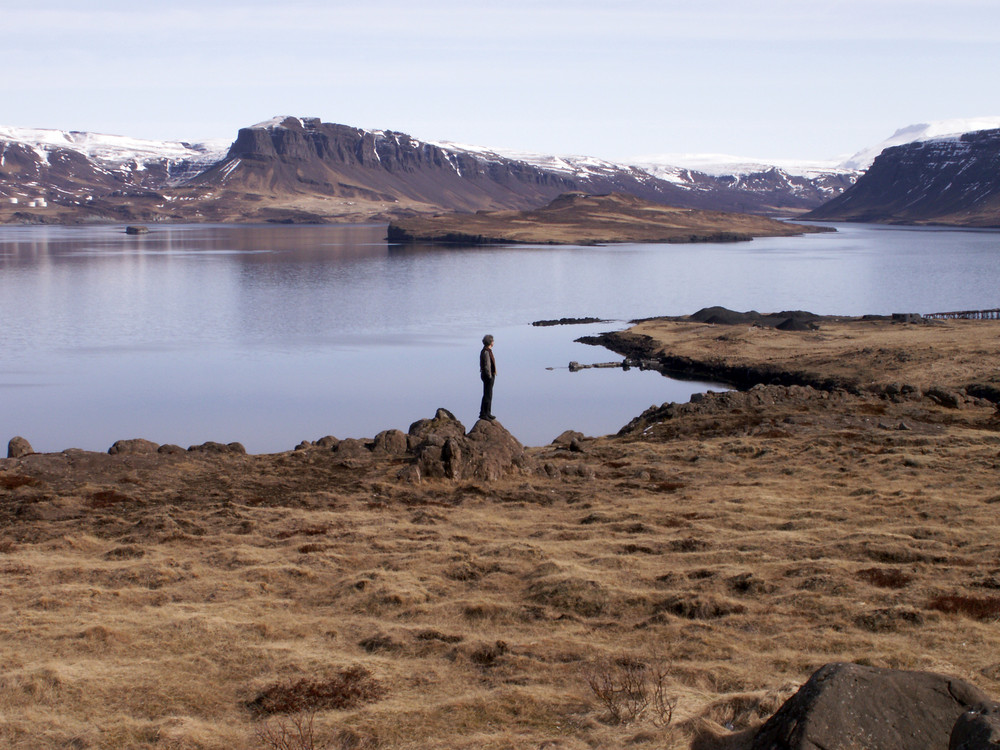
[760, 560]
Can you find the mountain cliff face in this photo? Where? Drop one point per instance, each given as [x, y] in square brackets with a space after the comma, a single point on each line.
[953, 181]
[307, 157]
[301, 169]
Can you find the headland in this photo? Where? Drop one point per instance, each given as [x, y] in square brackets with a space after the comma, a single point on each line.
[581, 219]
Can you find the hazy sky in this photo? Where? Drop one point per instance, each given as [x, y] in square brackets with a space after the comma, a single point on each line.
[609, 78]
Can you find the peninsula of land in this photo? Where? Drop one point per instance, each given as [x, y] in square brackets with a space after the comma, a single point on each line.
[580, 219]
[447, 586]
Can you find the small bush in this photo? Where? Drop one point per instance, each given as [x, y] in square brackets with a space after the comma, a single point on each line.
[314, 530]
[435, 635]
[886, 578]
[291, 733]
[986, 608]
[489, 655]
[349, 688]
[631, 689]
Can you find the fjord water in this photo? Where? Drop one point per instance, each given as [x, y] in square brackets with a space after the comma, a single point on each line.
[268, 335]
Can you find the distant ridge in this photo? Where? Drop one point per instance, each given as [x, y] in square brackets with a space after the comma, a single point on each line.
[953, 180]
[300, 169]
[296, 169]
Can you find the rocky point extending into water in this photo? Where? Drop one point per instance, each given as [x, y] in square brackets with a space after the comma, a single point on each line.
[580, 219]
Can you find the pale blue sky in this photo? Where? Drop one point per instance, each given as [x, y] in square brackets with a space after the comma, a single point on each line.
[608, 78]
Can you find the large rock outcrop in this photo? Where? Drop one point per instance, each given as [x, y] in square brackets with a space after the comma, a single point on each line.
[18, 446]
[850, 706]
[443, 449]
[977, 729]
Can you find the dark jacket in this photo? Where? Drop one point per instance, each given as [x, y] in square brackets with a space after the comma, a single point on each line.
[487, 365]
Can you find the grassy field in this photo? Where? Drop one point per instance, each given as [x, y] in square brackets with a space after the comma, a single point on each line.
[710, 560]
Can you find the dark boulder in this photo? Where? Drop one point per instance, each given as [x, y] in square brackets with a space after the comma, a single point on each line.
[977, 729]
[847, 706]
[948, 399]
[566, 438]
[443, 450]
[353, 448]
[134, 447]
[213, 447]
[444, 424]
[18, 447]
[392, 442]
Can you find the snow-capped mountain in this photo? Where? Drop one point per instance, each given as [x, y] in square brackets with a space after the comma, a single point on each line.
[301, 169]
[733, 183]
[952, 180]
[45, 169]
[115, 152]
[785, 183]
[926, 131]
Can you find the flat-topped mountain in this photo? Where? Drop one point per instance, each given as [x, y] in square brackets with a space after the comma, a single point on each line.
[580, 219]
[305, 170]
[954, 181]
[299, 169]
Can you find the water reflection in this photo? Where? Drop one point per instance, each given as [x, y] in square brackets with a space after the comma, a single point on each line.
[272, 334]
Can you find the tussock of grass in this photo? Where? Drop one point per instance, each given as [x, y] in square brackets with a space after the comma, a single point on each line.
[348, 688]
[980, 608]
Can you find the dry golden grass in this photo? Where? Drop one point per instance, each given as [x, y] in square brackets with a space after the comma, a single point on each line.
[579, 219]
[149, 601]
[937, 352]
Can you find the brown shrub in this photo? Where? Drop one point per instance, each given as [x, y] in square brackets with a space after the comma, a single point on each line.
[314, 530]
[435, 635]
[689, 544]
[380, 642]
[488, 655]
[582, 597]
[696, 607]
[126, 552]
[631, 689]
[985, 608]
[886, 578]
[348, 688]
[886, 620]
[297, 733]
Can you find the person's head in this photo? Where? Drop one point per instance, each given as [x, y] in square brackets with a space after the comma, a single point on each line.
[488, 340]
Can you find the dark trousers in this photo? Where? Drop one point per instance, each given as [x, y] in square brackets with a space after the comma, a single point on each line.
[486, 408]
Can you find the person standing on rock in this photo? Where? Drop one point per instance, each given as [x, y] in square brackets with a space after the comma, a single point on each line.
[488, 373]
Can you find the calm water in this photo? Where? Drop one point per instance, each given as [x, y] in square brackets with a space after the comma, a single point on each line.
[270, 335]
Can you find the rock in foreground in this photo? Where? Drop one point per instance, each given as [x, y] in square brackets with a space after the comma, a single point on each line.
[847, 706]
[443, 449]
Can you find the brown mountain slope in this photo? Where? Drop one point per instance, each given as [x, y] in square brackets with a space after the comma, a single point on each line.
[949, 181]
[579, 219]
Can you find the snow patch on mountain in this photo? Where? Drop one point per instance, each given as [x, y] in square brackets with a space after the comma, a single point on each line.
[927, 131]
[569, 165]
[723, 165]
[115, 151]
